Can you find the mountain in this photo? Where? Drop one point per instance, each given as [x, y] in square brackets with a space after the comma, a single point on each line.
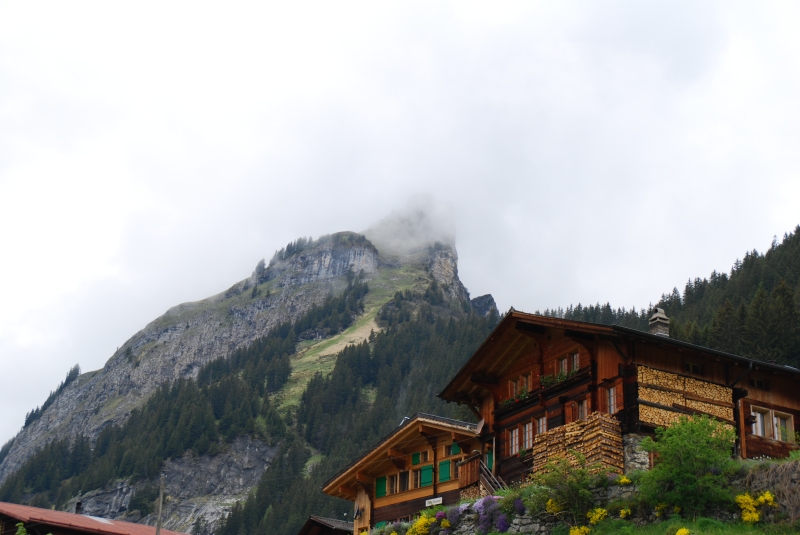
[212, 391]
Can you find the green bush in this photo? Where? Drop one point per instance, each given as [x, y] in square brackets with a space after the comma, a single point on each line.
[693, 466]
[567, 485]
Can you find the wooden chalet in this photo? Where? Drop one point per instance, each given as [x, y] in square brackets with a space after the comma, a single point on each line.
[427, 460]
[319, 525]
[44, 521]
[541, 385]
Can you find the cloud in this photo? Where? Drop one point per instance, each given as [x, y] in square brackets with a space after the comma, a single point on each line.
[152, 153]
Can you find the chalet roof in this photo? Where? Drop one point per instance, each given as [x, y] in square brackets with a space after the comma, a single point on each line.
[508, 340]
[319, 524]
[76, 522]
[406, 433]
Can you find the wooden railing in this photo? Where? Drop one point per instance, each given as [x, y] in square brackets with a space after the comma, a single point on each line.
[472, 469]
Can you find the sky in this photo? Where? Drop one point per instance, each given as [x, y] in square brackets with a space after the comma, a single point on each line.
[152, 152]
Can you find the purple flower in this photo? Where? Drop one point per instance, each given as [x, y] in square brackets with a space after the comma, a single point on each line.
[484, 523]
[454, 515]
[440, 515]
[519, 507]
[502, 524]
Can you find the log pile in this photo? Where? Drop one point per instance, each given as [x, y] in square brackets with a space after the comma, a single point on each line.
[682, 391]
[598, 438]
[658, 417]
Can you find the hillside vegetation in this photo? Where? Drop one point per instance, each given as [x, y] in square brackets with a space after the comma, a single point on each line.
[751, 311]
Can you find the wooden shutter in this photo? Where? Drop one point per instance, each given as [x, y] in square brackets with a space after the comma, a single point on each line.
[444, 471]
[455, 449]
[426, 476]
[415, 458]
[489, 460]
[380, 487]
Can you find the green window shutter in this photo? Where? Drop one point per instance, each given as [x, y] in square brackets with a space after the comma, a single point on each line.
[380, 524]
[426, 476]
[415, 458]
[444, 471]
[380, 487]
[454, 449]
[489, 460]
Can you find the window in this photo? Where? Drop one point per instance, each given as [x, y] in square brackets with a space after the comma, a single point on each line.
[523, 383]
[772, 424]
[444, 471]
[611, 398]
[761, 384]
[760, 425]
[527, 436]
[415, 475]
[513, 441]
[541, 425]
[783, 427]
[455, 469]
[583, 406]
[403, 476]
[576, 361]
[563, 365]
[391, 485]
[512, 388]
[693, 368]
[419, 457]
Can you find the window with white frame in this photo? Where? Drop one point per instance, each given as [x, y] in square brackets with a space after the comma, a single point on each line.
[583, 406]
[512, 388]
[527, 436]
[576, 361]
[523, 383]
[541, 425]
[513, 441]
[611, 399]
[563, 365]
[761, 423]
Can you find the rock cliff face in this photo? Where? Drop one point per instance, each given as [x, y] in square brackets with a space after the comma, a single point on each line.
[199, 490]
[189, 335]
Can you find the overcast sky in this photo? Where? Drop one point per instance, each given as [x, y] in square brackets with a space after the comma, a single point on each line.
[152, 153]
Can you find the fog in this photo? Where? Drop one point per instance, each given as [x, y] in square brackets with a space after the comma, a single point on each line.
[151, 153]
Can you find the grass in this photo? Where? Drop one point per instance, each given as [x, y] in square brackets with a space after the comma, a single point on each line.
[320, 355]
[701, 526]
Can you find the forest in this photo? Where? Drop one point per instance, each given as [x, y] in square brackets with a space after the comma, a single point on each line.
[751, 311]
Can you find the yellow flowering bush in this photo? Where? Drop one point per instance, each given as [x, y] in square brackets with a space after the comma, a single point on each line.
[394, 533]
[579, 530]
[767, 498]
[552, 507]
[445, 523]
[624, 513]
[683, 531]
[624, 480]
[660, 509]
[597, 515]
[422, 526]
[750, 505]
[676, 510]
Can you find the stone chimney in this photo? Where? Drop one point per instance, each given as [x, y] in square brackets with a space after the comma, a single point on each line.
[659, 323]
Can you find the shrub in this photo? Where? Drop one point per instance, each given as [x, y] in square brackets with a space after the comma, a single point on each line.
[568, 486]
[694, 462]
[507, 501]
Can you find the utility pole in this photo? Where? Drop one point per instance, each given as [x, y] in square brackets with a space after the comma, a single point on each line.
[160, 504]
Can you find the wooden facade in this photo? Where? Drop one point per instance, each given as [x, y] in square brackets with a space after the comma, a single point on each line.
[422, 459]
[535, 374]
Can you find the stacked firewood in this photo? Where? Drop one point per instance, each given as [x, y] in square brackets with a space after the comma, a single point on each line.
[658, 417]
[602, 442]
[598, 438]
[683, 392]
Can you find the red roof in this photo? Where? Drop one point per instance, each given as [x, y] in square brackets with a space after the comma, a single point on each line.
[89, 524]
